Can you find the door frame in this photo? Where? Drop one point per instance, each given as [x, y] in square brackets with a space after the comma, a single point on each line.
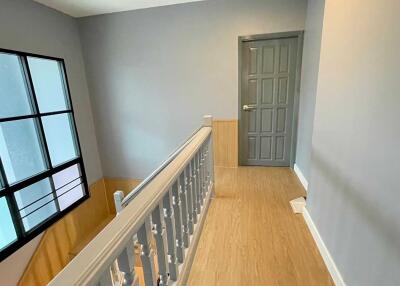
[272, 36]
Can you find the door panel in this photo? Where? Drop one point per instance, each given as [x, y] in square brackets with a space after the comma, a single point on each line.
[281, 120]
[283, 90]
[252, 122]
[267, 91]
[253, 61]
[267, 115]
[268, 58]
[252, 147]
[266, 147]
[280, 148]
[267, 95]
[283, 58]
[252, 91]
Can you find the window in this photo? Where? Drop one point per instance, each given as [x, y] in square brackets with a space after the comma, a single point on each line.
[42, 176]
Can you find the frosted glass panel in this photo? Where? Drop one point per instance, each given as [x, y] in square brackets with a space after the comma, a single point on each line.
[71, 196]
[35, 203]
[7, 230]
[14, 100]
[38, 144]
[20, 150]
[59, 135]
[68, 184]
[48, 83]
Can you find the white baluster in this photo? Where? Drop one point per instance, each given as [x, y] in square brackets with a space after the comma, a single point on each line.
[144, 237]
[205, 185]
[189, 195]
[184, 207]
[200, 174]
[207, 165]
[171, 236]
[205, 176]
[116, 274]
[161, 242]
[194, 188]
[176, 203]
[198, 183]
[126, 264]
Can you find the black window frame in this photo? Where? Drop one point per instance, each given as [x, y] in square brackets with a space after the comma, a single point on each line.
[7, 190]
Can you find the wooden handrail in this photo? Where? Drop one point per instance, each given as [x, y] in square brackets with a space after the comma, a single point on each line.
[94, 261]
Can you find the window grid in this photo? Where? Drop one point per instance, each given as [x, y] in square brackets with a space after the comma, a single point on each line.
[8, 190]
[39, 123]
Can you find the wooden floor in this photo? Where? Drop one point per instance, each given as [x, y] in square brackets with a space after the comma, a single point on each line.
[251, 237]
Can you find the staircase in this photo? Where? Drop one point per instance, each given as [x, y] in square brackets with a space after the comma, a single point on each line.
[162, 218]
[65, 239]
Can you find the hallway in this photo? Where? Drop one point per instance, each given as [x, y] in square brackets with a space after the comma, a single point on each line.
[251, 236]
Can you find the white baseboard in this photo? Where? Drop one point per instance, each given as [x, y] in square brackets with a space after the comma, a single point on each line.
[329, 262]
[301, 177]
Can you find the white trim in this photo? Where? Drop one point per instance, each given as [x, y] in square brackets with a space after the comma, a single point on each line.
[301, 177]
[329, 262]
[298, 205]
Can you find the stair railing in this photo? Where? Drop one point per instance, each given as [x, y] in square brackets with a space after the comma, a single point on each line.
[169, 208]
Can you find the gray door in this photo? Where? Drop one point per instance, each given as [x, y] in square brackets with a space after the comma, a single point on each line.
[268, 78]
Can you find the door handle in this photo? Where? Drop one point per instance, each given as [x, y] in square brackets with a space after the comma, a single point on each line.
[249, 107]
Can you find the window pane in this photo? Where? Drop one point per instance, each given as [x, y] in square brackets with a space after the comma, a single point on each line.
[48, 83]
[13, 92]
[35, 203]
[68, 184]
[20, 150]
[7, 230]
[59, 135]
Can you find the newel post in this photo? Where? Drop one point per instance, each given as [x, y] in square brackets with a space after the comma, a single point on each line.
[207, 121]
[118, 197]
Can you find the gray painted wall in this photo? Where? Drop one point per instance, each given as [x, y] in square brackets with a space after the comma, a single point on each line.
[30, 27]
[154, 73]
[309, 80]
[354, 196]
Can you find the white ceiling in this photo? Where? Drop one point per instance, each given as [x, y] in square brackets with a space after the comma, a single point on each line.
[82, 8]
